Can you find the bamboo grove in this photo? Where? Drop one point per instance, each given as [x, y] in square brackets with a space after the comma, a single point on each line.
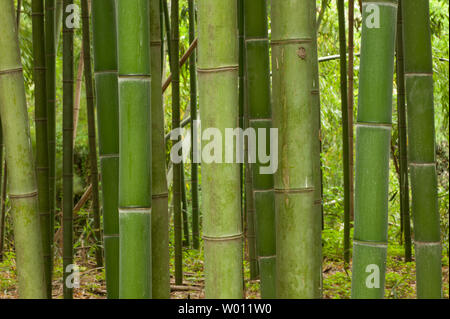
[254, 99]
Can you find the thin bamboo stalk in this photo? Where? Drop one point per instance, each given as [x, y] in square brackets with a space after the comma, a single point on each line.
[402, 137]
[218, 87]
[79, 81]
[107, 99]
[160, 216]
[372, 148]
[193, 108]
[260, 119]
[91, 130]
[345, 129]
[421, 147]
[298, 220]
[50, 63]
[68, 84]
[176, 199]
[241, 38]
[135, 189]
[40, 98]
[21, 170]
[184, 209]
[350, 96]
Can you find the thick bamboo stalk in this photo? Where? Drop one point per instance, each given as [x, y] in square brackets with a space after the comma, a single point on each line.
[67, 206]
[345, 129]
[421, 147]
[40, 99]
[160, 216]
[193, 108]
[402, 137]
[50, 63]
[297, 219]
[219, 100]
[107, 99]
[21, 171]
[133, 39]
[176, 199]
[260, 119]
[91, 130]
[372, 148]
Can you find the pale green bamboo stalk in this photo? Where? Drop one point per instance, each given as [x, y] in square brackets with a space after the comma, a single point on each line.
[373, 134]
[421, 147]
[297, 219]
[21, 171]
[135, 189]
[219, 101]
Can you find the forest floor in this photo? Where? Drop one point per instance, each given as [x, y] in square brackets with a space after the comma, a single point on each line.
[400, 278]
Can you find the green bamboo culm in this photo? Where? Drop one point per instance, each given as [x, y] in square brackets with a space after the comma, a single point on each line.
[373, 136]
[193, 107]
[298, 221]
[160, 216]
[248, 209]
[50, 78]
[67, 205]
[176, 187]
[260, 120]
[219, 108]
[40, 99]
[21, 170]
[421, 146]
[91, 130]
[345, 139]
[107, 100]
[133, 39]
[402, 137]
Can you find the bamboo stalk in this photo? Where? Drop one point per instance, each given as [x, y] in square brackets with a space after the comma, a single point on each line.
[50, 63]
[421, 147]
[260, 119]
[219, 100]
[160, 216]
[21, 170]
[297, 219]
[184, 209]
[372, 149]
[345, 130]
[402, 137]
[135, 279]
[107, 99]
[91, 130]
[67, 152]
[40, 98]
[351, 10]
[176, 199]
[193, 108]
[79, 81]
